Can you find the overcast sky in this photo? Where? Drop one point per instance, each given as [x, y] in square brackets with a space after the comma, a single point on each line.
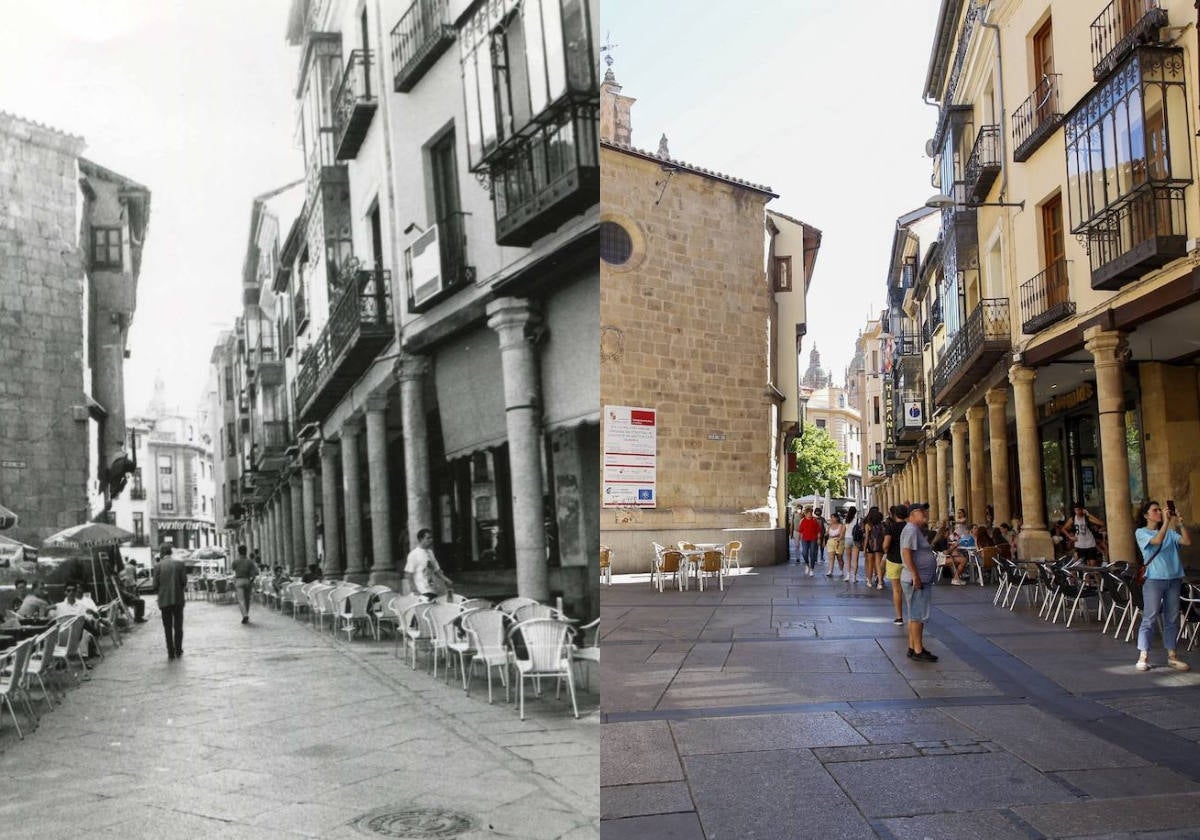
[191, 99]
[818, 99]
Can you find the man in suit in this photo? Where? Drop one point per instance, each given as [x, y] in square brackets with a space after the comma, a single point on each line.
[170, 579]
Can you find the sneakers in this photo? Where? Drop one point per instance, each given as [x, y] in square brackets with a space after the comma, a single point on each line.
[899, 622]
[923, 656]
[829, 574]
[1142, 665]
[1177, 664]
[879, 585]
[245, 619]
[958, 582]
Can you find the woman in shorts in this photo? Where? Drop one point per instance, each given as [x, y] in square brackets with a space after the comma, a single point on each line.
[873, 545]
[835, 546]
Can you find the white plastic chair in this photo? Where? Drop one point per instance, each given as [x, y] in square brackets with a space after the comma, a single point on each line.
[606, 565]
[40, 659]
[12, 674]
[509, 605]
[415, 628]
[396, 609]
[547, 653]
[485, 628]
[354, 614]
[440, 618]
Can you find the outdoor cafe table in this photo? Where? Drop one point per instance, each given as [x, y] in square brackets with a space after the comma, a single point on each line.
[692, 556]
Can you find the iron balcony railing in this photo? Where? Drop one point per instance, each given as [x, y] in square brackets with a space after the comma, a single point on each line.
[1046, 298]
[354, 104]
[987, 325]
[1122, 25]
[275, 434]
[322, 158]
[418, 40]
[287, 336]
[907, 344]
[137, 494]
[1146, 231]
[300, 310]
[1036, 118]
[983, 164]
[935, 315]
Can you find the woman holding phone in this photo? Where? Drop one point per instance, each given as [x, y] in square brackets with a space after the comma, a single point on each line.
[1159, 535]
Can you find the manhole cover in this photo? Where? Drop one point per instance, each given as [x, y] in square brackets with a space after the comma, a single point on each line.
[414, 823]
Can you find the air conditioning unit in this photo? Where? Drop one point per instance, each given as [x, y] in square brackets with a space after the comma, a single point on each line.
[423, 263]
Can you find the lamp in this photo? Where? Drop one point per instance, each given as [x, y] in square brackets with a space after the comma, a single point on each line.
[941, 201]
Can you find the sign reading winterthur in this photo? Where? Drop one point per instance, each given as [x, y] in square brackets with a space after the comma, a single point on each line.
[180, 524]
[630, 456]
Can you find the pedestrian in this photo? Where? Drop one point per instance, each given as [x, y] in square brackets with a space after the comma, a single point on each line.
[244, 570]
[835, 546]
[809, 529]
[873, 545]
[1082, 532]
[422, 571]
[893, 560]
[819, 513]
[170, 580]
[917, 581]
[1159, 536]
[855, 544]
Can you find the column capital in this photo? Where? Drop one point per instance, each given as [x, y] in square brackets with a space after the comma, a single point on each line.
[377, 400]
[307, 472]
[411, 367]
[294, 479]
[508, 314]
[996, 397]
[352, 426]
[976, 413]
[328, 449]
[1021, 375]
[1106, 346]
[958, 427]
[942, 444]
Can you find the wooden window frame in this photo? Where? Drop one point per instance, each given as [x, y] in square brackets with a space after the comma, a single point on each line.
[102, 248]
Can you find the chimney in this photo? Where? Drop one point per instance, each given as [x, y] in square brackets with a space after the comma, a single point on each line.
[615, 126]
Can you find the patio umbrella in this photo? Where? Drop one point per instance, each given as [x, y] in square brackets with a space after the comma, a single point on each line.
[88, 535]
[12, 551]
[7, 518]
[209, 554]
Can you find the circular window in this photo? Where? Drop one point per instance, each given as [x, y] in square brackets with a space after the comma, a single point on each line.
[616, 246]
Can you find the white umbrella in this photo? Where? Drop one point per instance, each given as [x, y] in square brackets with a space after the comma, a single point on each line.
[88, 535]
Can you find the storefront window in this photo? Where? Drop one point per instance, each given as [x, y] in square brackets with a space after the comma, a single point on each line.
[1053, 469]
[1133, 445]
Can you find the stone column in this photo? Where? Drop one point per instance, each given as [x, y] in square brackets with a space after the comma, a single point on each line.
[922, 493]
[997, 400]
[385, 570]
[355, 572]
[942, 450]
[1109, 350]
[270, 543]
[287, 533]
[308, 485]
[958, 450]
[931, 482]
[300, 558]
[410, 373]
[1034, 541]
[977, 510]
[510, 317]
[334, 565]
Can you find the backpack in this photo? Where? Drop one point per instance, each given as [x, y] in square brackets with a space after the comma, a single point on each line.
[856, 533]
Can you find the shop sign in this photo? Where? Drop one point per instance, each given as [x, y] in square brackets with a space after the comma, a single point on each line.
[874, 468]
[1065, 402]
[630, 457]
[913, 415]
[179, 524]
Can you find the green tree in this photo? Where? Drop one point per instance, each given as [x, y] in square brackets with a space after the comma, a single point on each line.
[820, 465]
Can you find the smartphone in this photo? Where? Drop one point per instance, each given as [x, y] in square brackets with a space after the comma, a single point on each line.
[1171, 507]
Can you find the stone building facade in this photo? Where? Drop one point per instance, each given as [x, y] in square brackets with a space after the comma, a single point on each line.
[685, 309]
[71, 236]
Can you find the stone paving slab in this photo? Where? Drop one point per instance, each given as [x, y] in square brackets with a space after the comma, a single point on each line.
[619, 801]
[662, 827]
[975, 825]
[1145, 813]
[752, 733]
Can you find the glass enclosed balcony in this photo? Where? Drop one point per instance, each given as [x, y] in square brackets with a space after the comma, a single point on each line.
[418, 40]
[271, 440]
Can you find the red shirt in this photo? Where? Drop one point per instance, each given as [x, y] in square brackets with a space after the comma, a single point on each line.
[810, 528]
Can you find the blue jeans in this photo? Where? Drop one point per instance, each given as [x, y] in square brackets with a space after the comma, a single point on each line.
[808, 552]
[1160, 597]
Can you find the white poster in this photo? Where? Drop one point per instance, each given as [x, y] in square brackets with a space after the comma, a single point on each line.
[630, 456]
[913, 417]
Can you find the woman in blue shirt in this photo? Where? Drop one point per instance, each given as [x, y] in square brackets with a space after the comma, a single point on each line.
[1159, 536]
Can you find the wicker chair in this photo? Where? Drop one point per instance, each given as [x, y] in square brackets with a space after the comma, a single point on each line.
[671, 563]
[485, 628]
[606, 565]
[545, 652]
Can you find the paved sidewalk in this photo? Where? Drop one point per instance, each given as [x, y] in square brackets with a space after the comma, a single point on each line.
[785, 707]
[271, 730]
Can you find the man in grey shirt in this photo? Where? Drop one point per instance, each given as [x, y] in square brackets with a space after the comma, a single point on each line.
[244, 572]
[916, 579]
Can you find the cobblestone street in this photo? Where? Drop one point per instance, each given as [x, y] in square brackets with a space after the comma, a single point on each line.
[271, 730]
[785, 707]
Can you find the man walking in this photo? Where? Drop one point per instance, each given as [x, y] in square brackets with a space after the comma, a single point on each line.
[917, 581]
[170, 578]
[809, 529]
[422, 571]
[244, 570]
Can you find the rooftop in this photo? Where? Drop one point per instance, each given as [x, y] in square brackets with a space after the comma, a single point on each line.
[689, 167]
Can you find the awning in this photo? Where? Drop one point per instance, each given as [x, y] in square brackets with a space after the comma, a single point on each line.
[7, 518]
[12, 552]
[470, 393]
[570, 358]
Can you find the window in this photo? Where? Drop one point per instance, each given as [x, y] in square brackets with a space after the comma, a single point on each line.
[876, 410]
[139, 529]
[1043, 51]
[230, 440]
[783, 273]
[1054, 252]
[106, 247]
[820, 424]
[164, 465]
[875, 364]
[616, 245]
[228, 383]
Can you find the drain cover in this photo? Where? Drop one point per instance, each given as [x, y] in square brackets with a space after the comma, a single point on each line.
[414, 823]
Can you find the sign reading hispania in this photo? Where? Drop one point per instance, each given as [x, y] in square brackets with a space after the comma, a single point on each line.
[630, 456]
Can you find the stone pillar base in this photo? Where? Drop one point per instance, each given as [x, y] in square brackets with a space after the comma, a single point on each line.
[1033, 545]
[389, 579]
[355, 577]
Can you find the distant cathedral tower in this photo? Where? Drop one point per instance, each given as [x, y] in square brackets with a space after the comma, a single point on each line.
[814, 377]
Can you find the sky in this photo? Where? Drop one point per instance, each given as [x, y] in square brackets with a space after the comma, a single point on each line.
[194, 100]
[818, 99]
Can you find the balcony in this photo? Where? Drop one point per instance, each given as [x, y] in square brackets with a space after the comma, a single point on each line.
[893, 456]
[1046, 298]
[322, 170]
[983, 165]
[908, 417]
[419, 39]
[546, 175]
[271, 440]
[435, 265]
[140, 541]
[973, 351]
[353, 105]
[935, 315]
[1119, 28]
[1036, 118]
[360, 325]
[1136, 236]
[137, 494]
[300, 311]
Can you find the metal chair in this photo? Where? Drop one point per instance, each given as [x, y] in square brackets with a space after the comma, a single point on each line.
[671, 562]
[606, 565]
[509, 605]
[711, 563]
[485, 628]
[545, 651]
[732, 557]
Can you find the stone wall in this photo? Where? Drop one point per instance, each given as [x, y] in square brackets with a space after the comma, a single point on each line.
[43, 444]
[684, 330]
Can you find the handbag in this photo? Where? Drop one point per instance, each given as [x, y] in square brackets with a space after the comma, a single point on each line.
[1141, 572]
